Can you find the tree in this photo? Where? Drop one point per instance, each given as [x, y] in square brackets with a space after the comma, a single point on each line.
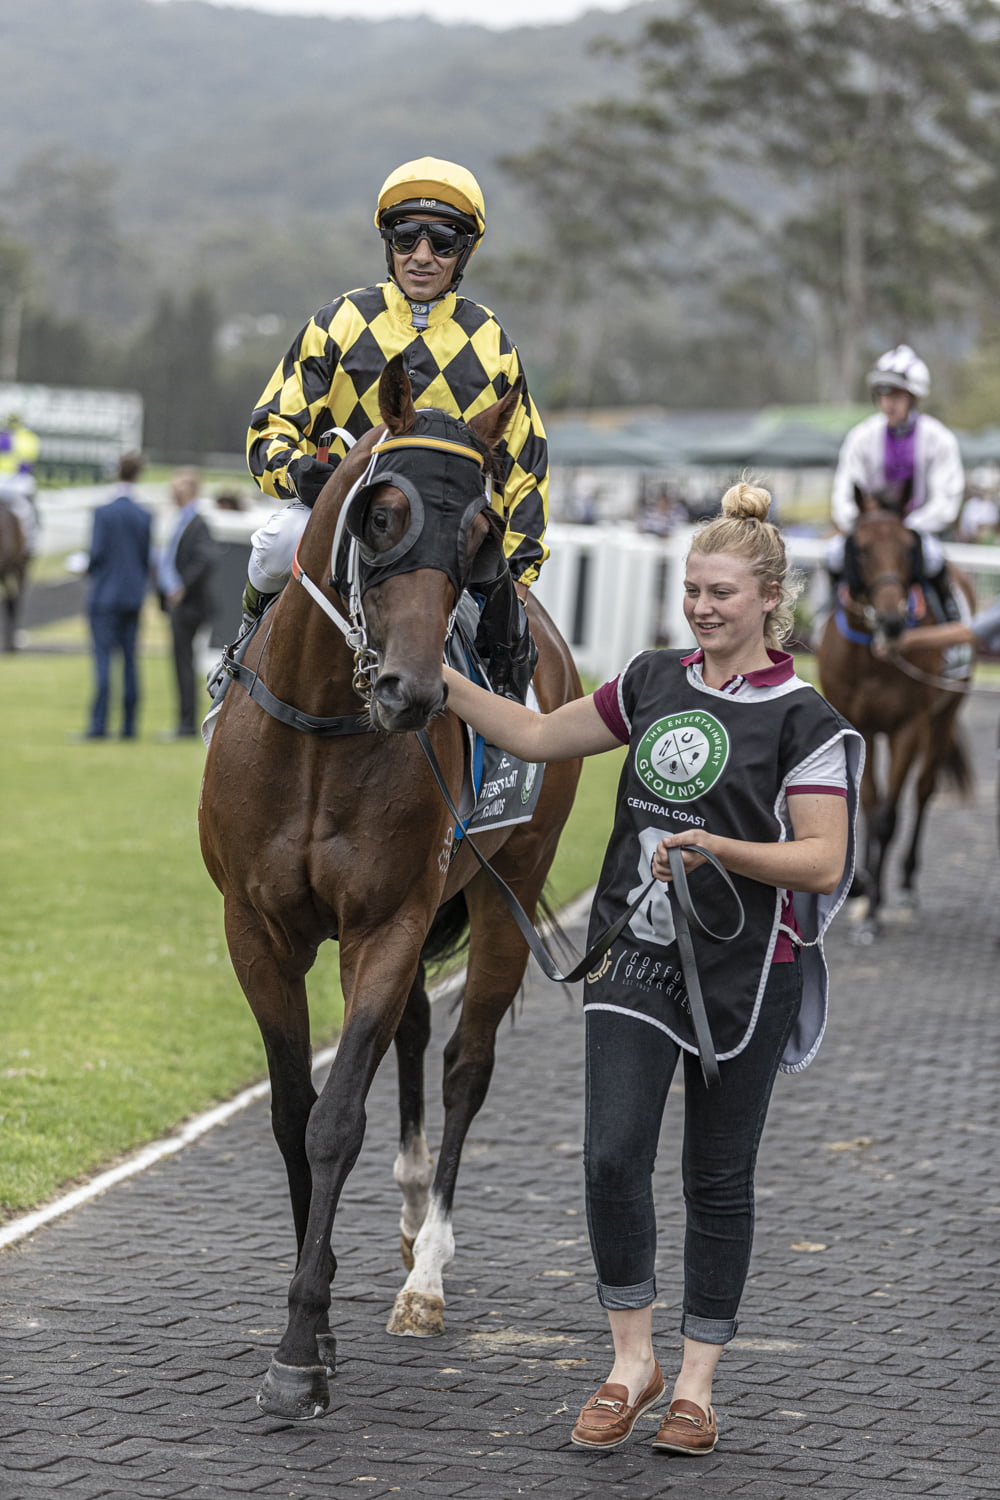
[62, 207]
[844, 150]
[173, 366]
[14, 272]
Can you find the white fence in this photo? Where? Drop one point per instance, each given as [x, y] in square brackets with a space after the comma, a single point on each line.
[613, 592]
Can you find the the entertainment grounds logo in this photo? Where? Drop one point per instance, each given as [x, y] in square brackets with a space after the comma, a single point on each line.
[681, 756]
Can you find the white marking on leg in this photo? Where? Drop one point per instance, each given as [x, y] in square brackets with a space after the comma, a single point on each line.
[433, 1249]
[413, 1170]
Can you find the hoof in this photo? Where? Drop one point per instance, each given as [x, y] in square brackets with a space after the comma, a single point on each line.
[326, 1347]
[418, 1314]
[406, 1251]
[296, 1393]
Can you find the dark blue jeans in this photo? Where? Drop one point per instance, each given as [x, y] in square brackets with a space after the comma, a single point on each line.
[114, 630]
[630, 1065]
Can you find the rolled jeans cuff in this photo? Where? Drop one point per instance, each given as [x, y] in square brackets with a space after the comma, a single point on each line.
[708, 1330]
[626, 1298]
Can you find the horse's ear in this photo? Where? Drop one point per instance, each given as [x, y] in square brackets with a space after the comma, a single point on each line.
[905, 495]
[859, 498]
[491, 424]
[395, 397]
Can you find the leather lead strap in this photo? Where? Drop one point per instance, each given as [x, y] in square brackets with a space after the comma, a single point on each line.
[685, 918]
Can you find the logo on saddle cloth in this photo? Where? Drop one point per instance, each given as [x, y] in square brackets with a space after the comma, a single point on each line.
[682, 755]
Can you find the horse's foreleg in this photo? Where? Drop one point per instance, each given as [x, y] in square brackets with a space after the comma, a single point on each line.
[296, 1385]
[275, 988]
[861, 886]
[413, 1168]
[10, 622]
[903, 748]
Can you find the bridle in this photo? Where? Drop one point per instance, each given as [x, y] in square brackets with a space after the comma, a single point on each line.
[354, 567]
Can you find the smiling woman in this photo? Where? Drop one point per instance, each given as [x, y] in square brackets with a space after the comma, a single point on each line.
[730, 754]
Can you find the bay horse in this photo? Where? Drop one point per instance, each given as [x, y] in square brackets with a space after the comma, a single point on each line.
[883, 571]
[348, 837]
[13, 571]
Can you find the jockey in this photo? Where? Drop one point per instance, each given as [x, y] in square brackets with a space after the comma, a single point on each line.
[896, 444]
[19, 449]
[431, 216]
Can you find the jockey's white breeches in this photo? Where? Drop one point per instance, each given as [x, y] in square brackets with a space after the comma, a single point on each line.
[274, 546]
[934, 558]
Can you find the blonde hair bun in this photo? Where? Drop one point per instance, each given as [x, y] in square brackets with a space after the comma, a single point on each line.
[746, 502]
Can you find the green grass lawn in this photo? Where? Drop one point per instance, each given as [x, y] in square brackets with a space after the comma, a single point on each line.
[121, 1014]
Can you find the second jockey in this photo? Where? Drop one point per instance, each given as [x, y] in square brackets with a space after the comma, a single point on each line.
[900, 443]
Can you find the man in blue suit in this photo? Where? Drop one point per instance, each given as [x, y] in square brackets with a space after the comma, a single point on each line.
[119, 576]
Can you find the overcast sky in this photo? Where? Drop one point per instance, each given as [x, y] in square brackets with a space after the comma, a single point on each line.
[495, 13]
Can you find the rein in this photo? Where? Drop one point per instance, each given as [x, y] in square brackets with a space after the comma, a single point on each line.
[895, 658]
[685, 917]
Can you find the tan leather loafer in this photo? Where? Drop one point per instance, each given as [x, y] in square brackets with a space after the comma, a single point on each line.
[686, 1429]
[607, 1419]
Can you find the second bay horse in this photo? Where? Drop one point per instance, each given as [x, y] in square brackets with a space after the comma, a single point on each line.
[346, 836]
[13, 571]
[916, 717]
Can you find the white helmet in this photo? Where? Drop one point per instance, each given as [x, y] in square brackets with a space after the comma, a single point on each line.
[901, 370]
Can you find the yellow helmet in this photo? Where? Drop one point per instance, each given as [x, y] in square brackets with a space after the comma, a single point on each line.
[431, 186]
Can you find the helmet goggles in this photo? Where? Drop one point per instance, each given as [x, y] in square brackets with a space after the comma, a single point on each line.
[445, 240]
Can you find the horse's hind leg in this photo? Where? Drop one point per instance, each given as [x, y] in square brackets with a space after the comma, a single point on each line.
[938, 745]
[413, 1168]
[497, 958]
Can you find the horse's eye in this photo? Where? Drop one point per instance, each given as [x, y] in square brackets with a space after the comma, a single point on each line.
[379, 521]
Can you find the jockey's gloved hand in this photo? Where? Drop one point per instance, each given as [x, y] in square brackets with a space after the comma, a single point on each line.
[308, 475]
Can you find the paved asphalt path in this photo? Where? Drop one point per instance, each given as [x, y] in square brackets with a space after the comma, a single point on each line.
[135, 1329]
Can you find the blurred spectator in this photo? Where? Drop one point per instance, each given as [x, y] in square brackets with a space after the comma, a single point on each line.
[978, 519]
[118, 571]
[185, 578]
[229, 500]
[583, 506]
[662, 515]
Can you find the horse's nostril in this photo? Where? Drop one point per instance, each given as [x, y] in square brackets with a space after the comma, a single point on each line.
[401, 705]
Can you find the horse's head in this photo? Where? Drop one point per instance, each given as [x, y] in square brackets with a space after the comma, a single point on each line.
[410, 534]
[882, 561]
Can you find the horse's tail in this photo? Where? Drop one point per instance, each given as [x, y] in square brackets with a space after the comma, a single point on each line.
[449, 932]
[957, 767]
